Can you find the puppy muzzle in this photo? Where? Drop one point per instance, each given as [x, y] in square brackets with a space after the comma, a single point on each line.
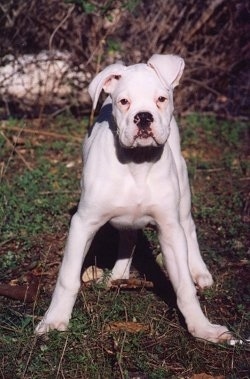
[143, 121]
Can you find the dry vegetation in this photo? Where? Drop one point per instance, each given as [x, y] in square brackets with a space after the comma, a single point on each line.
[212, 36]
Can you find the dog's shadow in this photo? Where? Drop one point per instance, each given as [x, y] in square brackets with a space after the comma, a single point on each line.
[103, 254]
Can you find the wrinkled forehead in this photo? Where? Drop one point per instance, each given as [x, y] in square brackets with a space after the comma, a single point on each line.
[140, 78]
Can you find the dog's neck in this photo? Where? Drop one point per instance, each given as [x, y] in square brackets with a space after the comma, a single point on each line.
[139, 161]
[137, 155]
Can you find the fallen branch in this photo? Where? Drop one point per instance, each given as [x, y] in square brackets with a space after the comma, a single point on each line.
[42, 133]
[131, 283]
[24, 292]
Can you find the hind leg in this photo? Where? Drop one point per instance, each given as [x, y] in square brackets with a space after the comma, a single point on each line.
[127, 245]
[198, 269]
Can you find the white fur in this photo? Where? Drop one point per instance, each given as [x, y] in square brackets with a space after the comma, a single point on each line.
[131, 178]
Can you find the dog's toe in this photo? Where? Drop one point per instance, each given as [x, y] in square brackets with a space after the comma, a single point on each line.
[218, 333]
[44, 326]
[203, 279]
[212, 332]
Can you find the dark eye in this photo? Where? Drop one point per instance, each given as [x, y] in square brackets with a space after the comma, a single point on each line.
[124, 101]
[161, 99]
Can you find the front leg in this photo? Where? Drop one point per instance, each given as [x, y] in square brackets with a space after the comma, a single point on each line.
[81, 234]
[174, 248]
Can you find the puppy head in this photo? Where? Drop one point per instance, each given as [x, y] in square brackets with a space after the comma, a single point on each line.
[142, 97]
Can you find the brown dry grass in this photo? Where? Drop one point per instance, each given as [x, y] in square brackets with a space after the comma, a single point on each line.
[210, 35]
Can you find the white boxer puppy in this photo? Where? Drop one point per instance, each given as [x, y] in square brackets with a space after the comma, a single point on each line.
[134, 175]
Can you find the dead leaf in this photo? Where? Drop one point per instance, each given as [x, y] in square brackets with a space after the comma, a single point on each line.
[206, 376]
[91, 274]
[17, 140]
[126, 326]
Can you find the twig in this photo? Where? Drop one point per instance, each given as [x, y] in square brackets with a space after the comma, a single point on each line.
[29, 358]
[16, 151]
[70, 10]
[43, 265]
[61, 358]
[131, 283]
[100, 48]
[203, 85]
[48, 193]
[42, 132]
[211, 169]
[119, 357]
[5, 12]
[207, 14]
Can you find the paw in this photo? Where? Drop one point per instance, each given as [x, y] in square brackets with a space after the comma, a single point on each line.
[202, 278]
[118, 275]
[45, 326]
[211, 332]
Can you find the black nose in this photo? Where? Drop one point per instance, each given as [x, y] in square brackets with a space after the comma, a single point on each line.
[143, 119]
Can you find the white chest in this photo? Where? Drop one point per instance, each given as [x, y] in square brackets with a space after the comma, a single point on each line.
[133, 209]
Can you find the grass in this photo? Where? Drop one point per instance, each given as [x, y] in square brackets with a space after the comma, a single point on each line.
[40, 174]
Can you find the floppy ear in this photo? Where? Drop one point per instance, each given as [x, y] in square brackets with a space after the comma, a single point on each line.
[168, 67]
[107, 80]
